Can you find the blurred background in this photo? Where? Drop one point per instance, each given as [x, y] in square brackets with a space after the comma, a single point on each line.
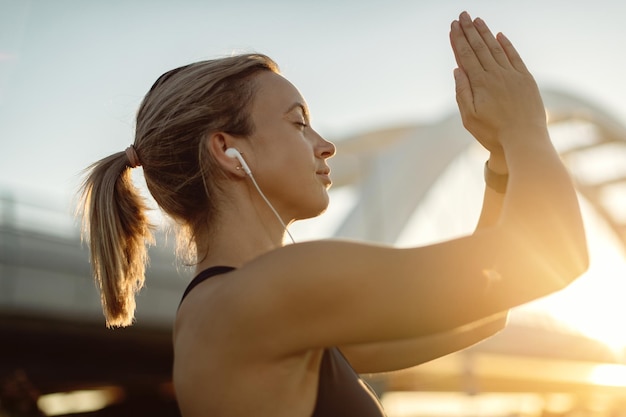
[377, 76]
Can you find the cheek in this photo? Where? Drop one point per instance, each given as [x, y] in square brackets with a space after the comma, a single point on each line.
[289, 161]
[295, 159]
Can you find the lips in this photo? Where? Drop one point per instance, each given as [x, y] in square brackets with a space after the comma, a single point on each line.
[325, 176]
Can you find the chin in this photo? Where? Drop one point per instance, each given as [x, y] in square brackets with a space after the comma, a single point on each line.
[313, 211]
[324, 206]
[311, 205]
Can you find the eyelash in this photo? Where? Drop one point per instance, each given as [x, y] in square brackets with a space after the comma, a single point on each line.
[302, 124]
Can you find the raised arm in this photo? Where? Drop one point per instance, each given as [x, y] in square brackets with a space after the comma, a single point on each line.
[501, 106]
[333, 293]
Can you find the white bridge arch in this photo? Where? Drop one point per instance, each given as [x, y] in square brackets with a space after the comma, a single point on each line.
[392, 170]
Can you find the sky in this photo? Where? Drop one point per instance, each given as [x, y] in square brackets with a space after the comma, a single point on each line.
[72, 72]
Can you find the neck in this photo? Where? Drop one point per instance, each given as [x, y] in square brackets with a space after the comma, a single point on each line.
[242, 233]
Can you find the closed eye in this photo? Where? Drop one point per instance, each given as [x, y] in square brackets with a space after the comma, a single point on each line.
[300, 115]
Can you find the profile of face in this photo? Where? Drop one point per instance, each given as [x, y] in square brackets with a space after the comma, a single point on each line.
[287, 156]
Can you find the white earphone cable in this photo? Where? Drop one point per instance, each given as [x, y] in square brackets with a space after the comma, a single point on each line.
[271, 207]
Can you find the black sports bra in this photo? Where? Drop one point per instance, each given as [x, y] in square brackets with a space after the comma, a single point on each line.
[341, 392]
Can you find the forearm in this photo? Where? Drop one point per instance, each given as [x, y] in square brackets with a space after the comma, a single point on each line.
[400, 354]
[540, 204]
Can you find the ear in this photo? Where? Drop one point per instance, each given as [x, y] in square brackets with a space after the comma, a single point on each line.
[217, 143]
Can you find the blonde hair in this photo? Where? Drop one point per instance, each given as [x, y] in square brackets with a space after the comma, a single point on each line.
[183, 106]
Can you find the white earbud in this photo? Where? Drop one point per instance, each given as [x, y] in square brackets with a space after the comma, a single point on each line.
[234, 153]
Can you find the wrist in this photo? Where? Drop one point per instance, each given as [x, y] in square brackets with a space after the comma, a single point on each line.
[529, 138]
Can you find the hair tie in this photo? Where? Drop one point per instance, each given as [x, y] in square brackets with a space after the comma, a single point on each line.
[133, 159]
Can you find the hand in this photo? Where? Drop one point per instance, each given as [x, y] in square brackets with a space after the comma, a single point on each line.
[494, 90]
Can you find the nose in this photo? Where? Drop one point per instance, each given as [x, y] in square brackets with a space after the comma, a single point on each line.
[324, 149]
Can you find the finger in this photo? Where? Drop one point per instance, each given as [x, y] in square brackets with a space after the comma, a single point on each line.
[476, 42]
[513, 56]
[464, 95]
[463, 52]
[496, 49]
[455, 28]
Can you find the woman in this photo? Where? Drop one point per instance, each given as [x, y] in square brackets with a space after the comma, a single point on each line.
[272, 330]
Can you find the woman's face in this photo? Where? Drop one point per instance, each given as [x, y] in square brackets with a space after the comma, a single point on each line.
[287, 157]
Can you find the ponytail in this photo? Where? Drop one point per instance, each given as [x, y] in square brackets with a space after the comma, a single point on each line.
[182, 107]
[116, 226]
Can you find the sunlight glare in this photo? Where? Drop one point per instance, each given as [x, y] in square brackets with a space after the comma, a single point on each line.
[594, 303]
[452, 404]
[609, 374]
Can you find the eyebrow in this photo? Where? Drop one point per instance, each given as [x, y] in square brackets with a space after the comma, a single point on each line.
[302, 106]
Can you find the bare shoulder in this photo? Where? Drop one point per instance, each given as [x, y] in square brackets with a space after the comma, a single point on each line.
[305, 296]
[219, 370]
